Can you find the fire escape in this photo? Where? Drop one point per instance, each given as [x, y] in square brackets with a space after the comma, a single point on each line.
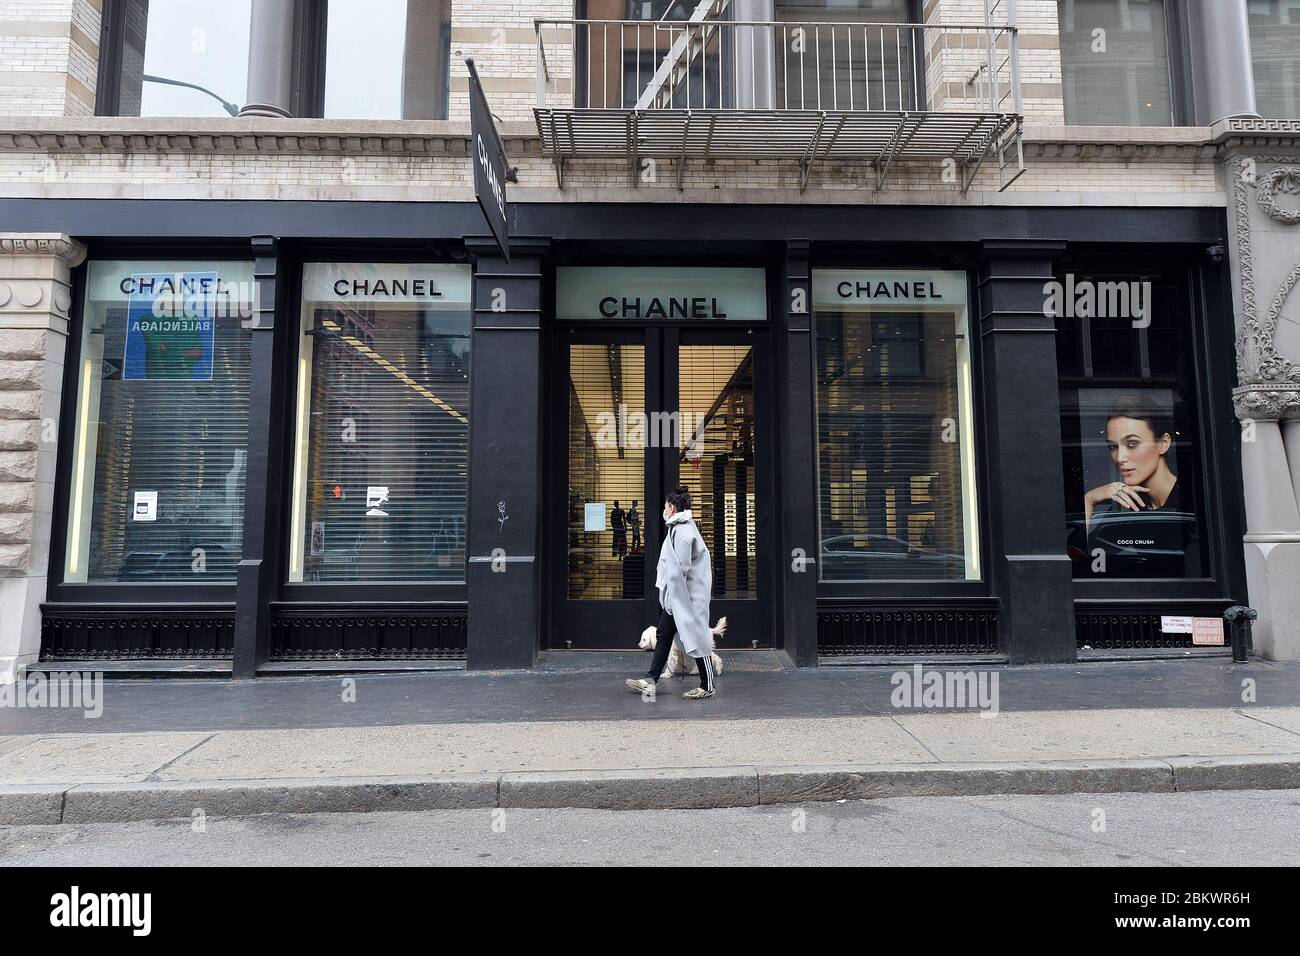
[709, 86]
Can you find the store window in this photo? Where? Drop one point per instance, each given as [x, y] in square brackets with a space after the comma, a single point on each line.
[1275, 51]
[382, 424]
[895, 443]
[161, 425]
[387, 59]
[1133, 489]
[1115, 63]
[183, 57]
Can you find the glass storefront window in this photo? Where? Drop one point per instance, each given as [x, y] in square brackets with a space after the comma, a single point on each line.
[382, 424]
[1115, 63]
[387, 59]
[1275, 51]
[184, 57]
[607, 506]
[1125, 351]
[161, 428]
[895, 450]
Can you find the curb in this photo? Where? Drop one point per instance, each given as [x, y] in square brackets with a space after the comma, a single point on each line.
[649, 789]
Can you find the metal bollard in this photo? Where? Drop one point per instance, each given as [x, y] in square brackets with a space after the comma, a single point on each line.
[1239, 617]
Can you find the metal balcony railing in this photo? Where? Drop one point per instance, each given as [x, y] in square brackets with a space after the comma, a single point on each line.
[713, 88]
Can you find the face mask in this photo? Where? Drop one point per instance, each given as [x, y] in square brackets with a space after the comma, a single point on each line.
[667, 515]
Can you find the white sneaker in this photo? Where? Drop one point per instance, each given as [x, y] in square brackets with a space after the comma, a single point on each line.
[639, 685]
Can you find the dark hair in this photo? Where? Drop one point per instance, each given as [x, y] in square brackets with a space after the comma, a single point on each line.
[680, 498]
[1143, 409]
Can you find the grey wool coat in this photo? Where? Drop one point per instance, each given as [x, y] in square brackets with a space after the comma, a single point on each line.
[684, 577]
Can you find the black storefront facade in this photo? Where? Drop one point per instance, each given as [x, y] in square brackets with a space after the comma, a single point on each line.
[897, 448]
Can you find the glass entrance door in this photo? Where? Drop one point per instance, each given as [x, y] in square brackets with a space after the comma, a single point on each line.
[638, 412]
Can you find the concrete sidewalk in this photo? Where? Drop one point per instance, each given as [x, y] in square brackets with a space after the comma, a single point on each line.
[569, 734]
[651, 763]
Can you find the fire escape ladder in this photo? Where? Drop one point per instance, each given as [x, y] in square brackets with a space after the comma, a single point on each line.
[676, 64]
[1010, 145]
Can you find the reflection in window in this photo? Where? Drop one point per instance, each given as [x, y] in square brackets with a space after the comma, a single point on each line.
[161, 429]
[716, 462]
[1115, 63]
[1132, 488]
[1275, 51]
[387, 59]
[607, 510]
[894, 455]
[383, 424]
[184, 57]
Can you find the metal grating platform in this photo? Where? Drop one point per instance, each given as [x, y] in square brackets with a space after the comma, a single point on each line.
[808, 136]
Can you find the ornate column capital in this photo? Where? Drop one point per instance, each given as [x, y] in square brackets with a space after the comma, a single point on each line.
[1266, 403]
[35, 279]
[54, 244]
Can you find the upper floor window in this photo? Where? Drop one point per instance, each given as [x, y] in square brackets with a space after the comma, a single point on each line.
[1275, 51]
[846, 54]
[182, 57]
[802, 54]
[351, 59]
[387, 59]
[1115, 63]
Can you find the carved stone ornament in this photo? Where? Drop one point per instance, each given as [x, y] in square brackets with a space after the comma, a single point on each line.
[1279, 195]
[1270, 382]
[60, 246]
[1265, 403]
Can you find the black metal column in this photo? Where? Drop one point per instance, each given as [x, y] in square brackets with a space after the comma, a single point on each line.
[505, 457]
[797, 548]
[255, 578]
[1030, 572]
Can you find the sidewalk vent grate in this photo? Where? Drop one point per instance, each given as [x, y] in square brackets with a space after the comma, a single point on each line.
[126, 635]
[315, 637]
[912, 631]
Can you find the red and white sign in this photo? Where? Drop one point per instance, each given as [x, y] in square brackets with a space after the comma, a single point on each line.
[1208, 631]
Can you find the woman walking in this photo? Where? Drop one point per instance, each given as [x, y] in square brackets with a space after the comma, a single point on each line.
[684, 578]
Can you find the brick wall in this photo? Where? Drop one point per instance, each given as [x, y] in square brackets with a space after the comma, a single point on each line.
[49, 55]
[368, 166]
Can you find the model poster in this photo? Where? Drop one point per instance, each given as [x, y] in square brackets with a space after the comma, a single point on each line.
[1135, 514]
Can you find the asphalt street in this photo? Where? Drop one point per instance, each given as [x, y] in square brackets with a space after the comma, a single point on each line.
[1238, 828]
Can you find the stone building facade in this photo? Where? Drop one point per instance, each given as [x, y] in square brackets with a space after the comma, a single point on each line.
[1217, 188]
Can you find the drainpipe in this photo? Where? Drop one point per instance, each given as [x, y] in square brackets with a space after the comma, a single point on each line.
[270, 59]
[755, 52]
[1223, 80]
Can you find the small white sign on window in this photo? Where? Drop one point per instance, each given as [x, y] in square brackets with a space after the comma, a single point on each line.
[376, 498]
[1171, 624]
[593, 515]
[146, 506]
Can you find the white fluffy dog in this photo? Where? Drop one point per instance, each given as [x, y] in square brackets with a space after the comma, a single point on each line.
[677, 665]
